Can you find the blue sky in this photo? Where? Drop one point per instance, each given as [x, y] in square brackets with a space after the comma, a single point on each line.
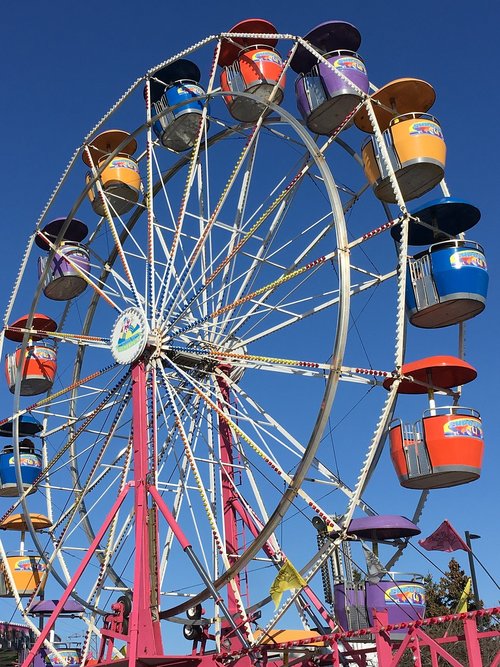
[64, 64]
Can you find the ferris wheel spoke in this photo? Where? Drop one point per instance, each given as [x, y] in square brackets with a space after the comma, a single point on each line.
[226, 260]
[192, 462]
[294, 270]
[162, 267]
[94, 477]
[270, 429]
[69, 522]
[266, 290]
[229, 270]
[77, 269]
[168, 265]
[150, 283]
[210, 223]
[169, 292]
[76, 517]
[201, 142]
[67, 515]
[258, 260]
[243, 500]
[248, 440]
[355, 289]
[57, 457]
[113, 543]
[205, 500]
[64, 337]
[221, 255]
[51, 398]
[184, 472]
[121, 288]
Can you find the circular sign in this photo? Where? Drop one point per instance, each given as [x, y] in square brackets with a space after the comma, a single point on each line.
[129, 336]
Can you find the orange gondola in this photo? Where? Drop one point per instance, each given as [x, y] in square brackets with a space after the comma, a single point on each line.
[251, 65]
[37, 370]
[112, 152]
[413, 140]
[445, 447]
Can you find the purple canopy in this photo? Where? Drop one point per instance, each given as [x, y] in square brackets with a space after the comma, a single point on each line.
[46, 607]
[325, 37]
[75, 232]
[382, 527]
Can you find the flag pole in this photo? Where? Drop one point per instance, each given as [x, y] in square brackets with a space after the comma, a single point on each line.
[468, 538]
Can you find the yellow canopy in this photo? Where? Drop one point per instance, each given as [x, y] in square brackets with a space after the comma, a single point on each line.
[18, 522]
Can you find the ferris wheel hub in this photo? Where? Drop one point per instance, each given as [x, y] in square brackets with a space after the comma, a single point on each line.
[129, 336]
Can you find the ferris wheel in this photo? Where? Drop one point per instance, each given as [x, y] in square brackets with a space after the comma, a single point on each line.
[212, 311]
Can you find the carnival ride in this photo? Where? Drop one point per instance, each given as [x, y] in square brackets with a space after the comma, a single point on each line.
[169, 452]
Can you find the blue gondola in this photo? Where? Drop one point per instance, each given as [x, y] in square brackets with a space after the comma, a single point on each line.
[448, 282]
[176, 88]
[31, 466]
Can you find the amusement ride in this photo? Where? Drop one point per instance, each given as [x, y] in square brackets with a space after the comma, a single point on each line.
[197, 421]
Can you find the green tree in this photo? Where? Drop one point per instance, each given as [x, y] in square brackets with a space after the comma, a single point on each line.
[443, 597]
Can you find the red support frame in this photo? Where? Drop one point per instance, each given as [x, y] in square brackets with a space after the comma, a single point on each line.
[80, 570]
[144, 636]
[389, 653]
[232, 545]
[144, 625]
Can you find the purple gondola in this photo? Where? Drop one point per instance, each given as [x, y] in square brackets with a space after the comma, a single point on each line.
[328, 93]
[69, 264]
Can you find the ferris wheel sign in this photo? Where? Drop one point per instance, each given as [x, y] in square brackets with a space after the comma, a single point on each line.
[129, 336]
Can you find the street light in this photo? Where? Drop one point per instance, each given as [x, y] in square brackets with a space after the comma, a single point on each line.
[468, 538]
